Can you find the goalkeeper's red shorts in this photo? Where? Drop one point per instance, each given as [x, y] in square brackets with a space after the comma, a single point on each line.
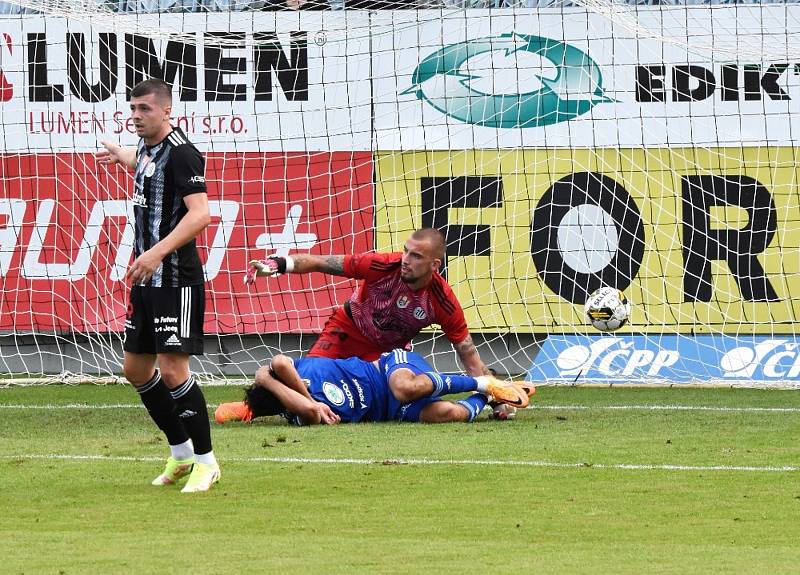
[340, 339]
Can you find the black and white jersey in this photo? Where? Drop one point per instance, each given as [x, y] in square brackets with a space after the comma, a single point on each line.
[165, 174]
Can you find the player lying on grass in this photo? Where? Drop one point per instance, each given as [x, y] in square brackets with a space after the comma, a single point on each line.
[399, 386]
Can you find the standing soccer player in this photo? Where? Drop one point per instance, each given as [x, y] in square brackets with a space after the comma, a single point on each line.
[400, 294]
[164, 321]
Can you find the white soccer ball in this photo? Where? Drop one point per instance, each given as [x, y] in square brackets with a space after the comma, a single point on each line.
[607, 309]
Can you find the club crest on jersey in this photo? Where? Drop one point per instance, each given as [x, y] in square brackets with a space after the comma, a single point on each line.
[149, 170]
[402, 302]
[333, 393]
[419, 313]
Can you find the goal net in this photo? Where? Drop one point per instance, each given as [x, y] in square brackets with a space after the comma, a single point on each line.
[560, 149]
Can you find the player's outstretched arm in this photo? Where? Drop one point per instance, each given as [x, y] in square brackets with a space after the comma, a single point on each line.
[295, 264]
[112, 153]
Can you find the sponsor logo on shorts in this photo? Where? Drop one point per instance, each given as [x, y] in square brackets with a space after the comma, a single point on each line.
[419, 313]
[172, 340]
[333, 393]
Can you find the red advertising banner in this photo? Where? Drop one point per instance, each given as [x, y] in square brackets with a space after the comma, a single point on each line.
[65, 242]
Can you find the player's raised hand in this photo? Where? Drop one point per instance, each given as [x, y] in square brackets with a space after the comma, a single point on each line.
[269, 267]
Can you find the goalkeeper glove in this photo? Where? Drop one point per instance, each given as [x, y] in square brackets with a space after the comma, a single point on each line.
[272, 266]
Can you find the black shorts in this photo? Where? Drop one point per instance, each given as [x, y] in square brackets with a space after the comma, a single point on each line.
[165, 320]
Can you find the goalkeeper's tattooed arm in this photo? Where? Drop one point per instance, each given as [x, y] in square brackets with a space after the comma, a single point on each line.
[470, 359]
[305, 263]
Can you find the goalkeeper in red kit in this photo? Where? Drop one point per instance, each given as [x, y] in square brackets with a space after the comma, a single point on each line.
[399, 295]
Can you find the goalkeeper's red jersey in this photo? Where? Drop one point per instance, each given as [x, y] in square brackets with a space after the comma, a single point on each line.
[384, 313]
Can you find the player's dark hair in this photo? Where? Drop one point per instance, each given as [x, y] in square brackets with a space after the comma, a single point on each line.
[153, 86]
[262, 402]
[435, 237]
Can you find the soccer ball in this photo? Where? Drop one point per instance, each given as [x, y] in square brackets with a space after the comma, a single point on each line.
[607, 309]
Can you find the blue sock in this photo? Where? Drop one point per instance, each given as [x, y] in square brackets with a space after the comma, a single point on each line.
[474, 404]
[446, 383]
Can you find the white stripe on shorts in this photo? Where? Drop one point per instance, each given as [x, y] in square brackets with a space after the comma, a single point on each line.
[186, 310]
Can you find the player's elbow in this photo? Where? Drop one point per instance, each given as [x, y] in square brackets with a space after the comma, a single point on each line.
[281, 362]
[203, 219]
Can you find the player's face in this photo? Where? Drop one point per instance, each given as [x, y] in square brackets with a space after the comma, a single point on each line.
[418, 262]
[150, 116]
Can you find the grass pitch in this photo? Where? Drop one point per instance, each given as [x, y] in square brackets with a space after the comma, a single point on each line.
[589, 481]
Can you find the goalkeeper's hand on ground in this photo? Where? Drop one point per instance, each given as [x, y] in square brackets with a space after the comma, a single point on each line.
[269, 267]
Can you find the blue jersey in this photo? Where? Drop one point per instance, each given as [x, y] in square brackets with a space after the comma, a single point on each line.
[353, 388]
[356, 390]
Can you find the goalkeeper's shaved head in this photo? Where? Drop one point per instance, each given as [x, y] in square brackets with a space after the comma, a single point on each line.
[434, 237]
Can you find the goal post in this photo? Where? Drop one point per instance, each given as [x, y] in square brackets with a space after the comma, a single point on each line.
[559, 149]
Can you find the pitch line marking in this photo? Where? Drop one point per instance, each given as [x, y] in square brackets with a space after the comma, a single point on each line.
[670, 408]
[390, 461]
[709, 408]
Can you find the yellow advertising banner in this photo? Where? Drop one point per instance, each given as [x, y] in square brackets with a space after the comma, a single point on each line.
[699, 240]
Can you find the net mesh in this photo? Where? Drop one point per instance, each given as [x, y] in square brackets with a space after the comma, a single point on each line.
[560, 149]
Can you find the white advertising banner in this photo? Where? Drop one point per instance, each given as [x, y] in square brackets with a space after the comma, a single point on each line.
[648, 76]
[411, 80]
[242, 82]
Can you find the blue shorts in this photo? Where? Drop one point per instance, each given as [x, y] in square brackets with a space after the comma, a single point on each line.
[402, 359]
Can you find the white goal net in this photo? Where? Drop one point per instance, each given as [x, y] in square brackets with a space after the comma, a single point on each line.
[560, 149]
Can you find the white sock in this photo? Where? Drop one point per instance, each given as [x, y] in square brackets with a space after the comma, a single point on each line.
[206, 458]
[483, 383]
[182, 451]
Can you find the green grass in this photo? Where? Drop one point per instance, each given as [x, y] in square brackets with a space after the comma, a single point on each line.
[280, 513]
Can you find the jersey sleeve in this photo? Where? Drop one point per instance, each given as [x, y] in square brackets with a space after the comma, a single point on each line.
[453, 323]
[370, 266]
[188, 168]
